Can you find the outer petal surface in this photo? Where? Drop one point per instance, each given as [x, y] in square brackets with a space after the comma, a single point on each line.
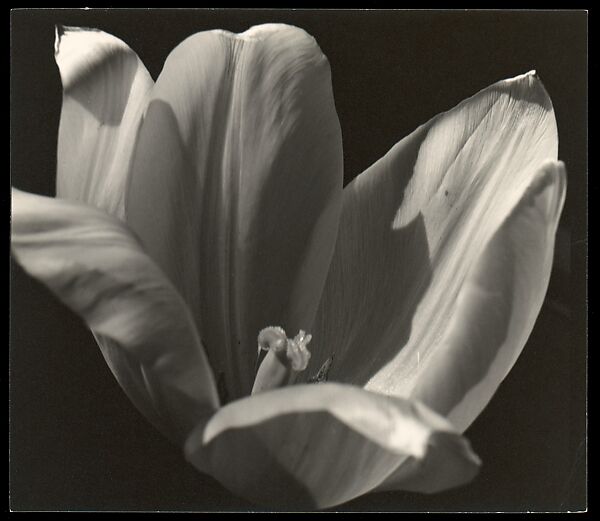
[497, 305]
[236, 186]
[313, 446]
[413, 228]
[96, 267]
[104, 92]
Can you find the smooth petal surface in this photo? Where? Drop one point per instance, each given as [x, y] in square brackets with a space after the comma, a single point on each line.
[104, 93]
[96, 267]
[313, 446]
[413, 227]
[236, 186]
[497, 305]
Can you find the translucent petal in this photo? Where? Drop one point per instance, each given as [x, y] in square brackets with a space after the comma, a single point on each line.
[413, 226]
[104, 92]
[497, 305]
[314, 446]
[236, 185]
[96, 267]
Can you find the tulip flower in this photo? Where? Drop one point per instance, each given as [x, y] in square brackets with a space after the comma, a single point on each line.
[303, 343]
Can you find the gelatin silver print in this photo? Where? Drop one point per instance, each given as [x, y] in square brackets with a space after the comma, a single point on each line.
[298, 260]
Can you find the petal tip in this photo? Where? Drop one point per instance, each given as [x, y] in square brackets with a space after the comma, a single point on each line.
[551, 172]
[80, 50]
[530, 76]
[61, 32]
[263, 31]
[529, 86]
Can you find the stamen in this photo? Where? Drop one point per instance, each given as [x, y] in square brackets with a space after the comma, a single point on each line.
[323, 373]
[284, 359]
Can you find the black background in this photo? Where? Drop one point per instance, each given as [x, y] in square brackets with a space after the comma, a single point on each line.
[76, 443]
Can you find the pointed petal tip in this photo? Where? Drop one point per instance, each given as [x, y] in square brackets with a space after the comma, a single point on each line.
[500, 137]
[530, 86]
[529, 77]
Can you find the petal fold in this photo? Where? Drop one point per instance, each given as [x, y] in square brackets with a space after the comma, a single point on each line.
[497, 305]
[416, 223]
[236, 185]
[105, 86]
[314, 446]
[96, 267]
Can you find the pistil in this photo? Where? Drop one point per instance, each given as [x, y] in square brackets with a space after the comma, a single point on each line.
[285, 358]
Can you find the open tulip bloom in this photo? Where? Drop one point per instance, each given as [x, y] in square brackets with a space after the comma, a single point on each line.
[303, 343]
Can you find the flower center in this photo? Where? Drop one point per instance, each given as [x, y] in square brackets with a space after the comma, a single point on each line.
[285, 358]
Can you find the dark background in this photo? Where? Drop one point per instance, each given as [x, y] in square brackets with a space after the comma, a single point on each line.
[76, 442]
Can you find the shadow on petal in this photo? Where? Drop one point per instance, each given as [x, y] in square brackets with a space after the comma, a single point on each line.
[314, 446]
[105, 87]
[182, 210]
[365, 323]
[236, 191]
[459, 175]
[498, 304]
[110, 109]
[390, 322]
[244, 463]
[237, 183]
[93, 263]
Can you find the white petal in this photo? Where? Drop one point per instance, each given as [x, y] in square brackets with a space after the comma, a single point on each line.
[497, 305]
[314, 446]
[104, 92]
[413, 226]
[236, 185]
[96, 267]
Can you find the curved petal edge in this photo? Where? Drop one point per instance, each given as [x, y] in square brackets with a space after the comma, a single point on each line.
[94, 265]
[319, 445]
[498, 304]
[415, 223]
[236, 185]
[105, 90]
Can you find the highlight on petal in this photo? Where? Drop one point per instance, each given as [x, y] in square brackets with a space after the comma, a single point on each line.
[96, 267]
[314, 446]
[105, 86]
[236, 185]
[497, 304]
[413, 227]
